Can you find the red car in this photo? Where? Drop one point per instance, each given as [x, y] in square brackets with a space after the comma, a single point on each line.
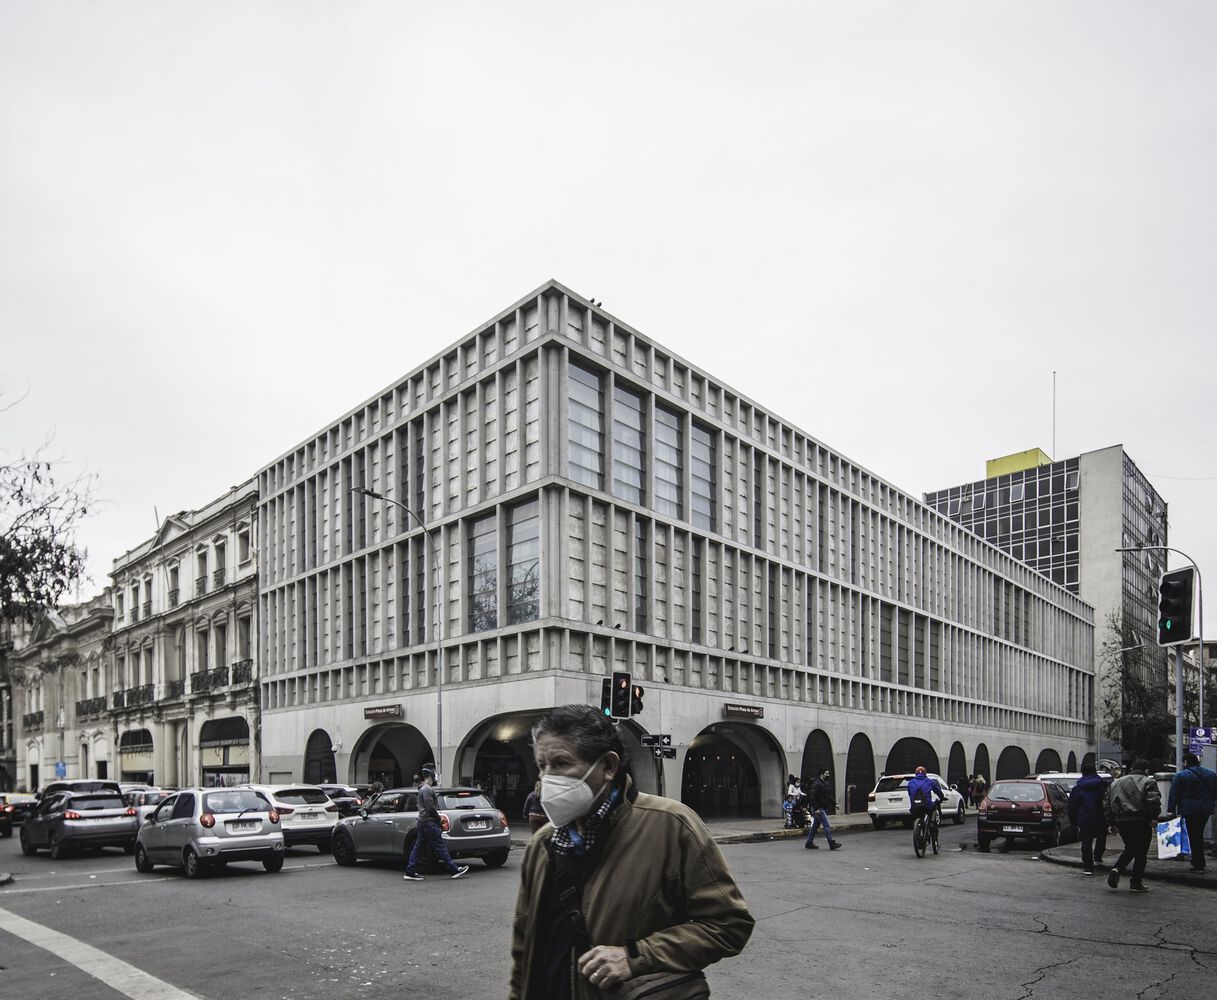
[1024, 809]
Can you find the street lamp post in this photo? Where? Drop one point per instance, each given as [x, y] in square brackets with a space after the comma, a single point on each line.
[1179, 649]
[439, 625]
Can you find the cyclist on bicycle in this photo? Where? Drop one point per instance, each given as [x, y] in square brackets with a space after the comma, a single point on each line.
[922, 789]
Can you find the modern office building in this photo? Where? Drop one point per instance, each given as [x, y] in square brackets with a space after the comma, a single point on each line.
[601, 505]
[1066, 519]
[54, 666]
[181, 697]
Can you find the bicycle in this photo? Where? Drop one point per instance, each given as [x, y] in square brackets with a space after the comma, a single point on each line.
[925, 830]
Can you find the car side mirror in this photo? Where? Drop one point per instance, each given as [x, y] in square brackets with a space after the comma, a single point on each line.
[150, 819]
[363, 813]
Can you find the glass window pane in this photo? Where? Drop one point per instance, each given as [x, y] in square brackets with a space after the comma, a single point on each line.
[629, 449]
[585, 428]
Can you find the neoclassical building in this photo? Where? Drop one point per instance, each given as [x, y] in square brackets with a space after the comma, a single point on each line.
[182, 706]
[58, 670]
[601, 504]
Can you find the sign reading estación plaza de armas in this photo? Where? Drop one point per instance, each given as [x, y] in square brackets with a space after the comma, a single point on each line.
[602, 505]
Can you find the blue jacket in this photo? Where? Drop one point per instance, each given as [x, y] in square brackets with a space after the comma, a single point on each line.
[1193, 792]
[1086, 801]
[927, 786]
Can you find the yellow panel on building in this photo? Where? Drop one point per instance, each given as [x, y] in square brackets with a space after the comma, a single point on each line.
[1030, 459]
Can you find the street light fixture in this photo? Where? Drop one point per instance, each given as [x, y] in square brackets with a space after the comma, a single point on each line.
[1179, 651]
[439, 625]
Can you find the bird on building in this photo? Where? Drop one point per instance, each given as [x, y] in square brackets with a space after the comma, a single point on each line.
[618, 625]
[599, 621]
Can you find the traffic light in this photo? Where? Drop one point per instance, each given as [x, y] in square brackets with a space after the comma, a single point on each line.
[606, 696]
[635, 699]
[1175, 606]
[621, 695]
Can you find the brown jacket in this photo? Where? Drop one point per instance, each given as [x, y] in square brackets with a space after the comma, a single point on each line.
[660, 879]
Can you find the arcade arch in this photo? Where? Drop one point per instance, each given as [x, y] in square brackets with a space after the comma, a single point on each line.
[910, 752]
[982, 763]
[1048, 760]
[817, 754]
[391, 753]
[859, 773]
[733, 769]
[320, 766]
[1013, 763]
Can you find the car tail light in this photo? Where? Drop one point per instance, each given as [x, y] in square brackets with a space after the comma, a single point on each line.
[131, 811]
[72, 814]
[284, 810]
[273, 815]
[9, 809]
[443, 823]
[1048, 810]
[503, 819]
[870, 796]
[358, 803]
[207, 820]
[331, 808]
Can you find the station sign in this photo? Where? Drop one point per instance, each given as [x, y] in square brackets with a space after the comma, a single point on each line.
[657, 740]
[665, 752]
[383, 712]
[743, 711]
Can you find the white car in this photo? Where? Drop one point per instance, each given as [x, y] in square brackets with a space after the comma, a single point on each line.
[889, 802]
[306, 814]
[145, 801]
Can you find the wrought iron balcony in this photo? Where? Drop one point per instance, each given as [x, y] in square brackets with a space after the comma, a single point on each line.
[142, 695]
[202, 681]
[88, 707]
[243, 672]
[31, 721]
[217, 578]
[200, 586]
[175, 689]
[119, 699]
[173, 596]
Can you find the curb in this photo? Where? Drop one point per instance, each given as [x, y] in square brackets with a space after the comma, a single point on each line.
[760, 836]
[1174, 878]
[5, 878]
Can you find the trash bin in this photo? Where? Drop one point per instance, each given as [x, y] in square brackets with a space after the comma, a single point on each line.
[1164, 779]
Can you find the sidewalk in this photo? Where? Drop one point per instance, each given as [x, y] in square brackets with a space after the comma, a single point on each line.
[1177, 870]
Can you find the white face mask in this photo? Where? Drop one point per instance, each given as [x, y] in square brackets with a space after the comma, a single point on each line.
[565, 799]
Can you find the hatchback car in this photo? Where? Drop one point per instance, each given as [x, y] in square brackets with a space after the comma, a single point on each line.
[201, 829]
[14, 807]
[80, 785]
[346, 797]
[1066, 779]
[306, 814]
[65, 821]
[387, 826]
[1024, 809]
[145, 800]
[889, 802]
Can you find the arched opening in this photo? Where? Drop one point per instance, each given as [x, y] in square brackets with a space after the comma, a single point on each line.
[957, 768]
[817, 754]
[982, 763]
[135, 756]
[733, 769]
[224, 752]
[859, 773]
[392, 754]
[1071, 765]
[1013, 763]
[320, 767]
[910, 752]
[1048, 760]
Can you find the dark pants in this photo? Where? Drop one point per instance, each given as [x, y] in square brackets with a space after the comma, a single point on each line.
[1094, 843]
[1195, 833]
[429, 833]
[820, 818]
[1137, 835]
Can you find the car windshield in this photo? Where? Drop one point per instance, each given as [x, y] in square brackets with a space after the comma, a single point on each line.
[91, 803]
[151, 798]
[463, 800]
[302, 796]
[234, 800]
[1020, 791]
[891, 784]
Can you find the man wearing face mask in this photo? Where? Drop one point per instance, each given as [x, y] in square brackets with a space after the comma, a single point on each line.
[620, 887]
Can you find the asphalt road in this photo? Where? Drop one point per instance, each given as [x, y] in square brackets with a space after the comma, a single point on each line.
[868, 920]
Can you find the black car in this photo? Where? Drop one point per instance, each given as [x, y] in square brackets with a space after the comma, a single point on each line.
[67, 821]
[346, 797]
[14, 807]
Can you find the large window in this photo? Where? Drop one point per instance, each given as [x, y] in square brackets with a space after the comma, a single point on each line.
[483, 575]
[586, 428]
[640, 576]
[629, 447]
[702, 464]
[523, 563]
[668, 455]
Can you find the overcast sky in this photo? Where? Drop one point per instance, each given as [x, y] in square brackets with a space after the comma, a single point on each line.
[222, 225]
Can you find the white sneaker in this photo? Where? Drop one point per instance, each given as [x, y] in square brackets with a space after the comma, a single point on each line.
[460, 871]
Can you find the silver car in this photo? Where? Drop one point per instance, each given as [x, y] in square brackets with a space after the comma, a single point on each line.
[200, 829]
[65, 821]
[387, 826]
[145, 801]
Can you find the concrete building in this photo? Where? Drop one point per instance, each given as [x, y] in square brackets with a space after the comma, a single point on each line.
[55, 666]
[600, 504]
[1066, 519]
[183, 705]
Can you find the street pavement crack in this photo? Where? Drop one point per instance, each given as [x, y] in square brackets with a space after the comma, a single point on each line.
[1041, 972]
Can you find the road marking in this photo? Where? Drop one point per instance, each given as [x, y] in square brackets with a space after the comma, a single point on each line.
[70, 886]
[114, 972]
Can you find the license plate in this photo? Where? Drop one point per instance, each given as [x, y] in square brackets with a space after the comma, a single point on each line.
[310, 815]
[1011, 829]
[243, 827]
[478, 824]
